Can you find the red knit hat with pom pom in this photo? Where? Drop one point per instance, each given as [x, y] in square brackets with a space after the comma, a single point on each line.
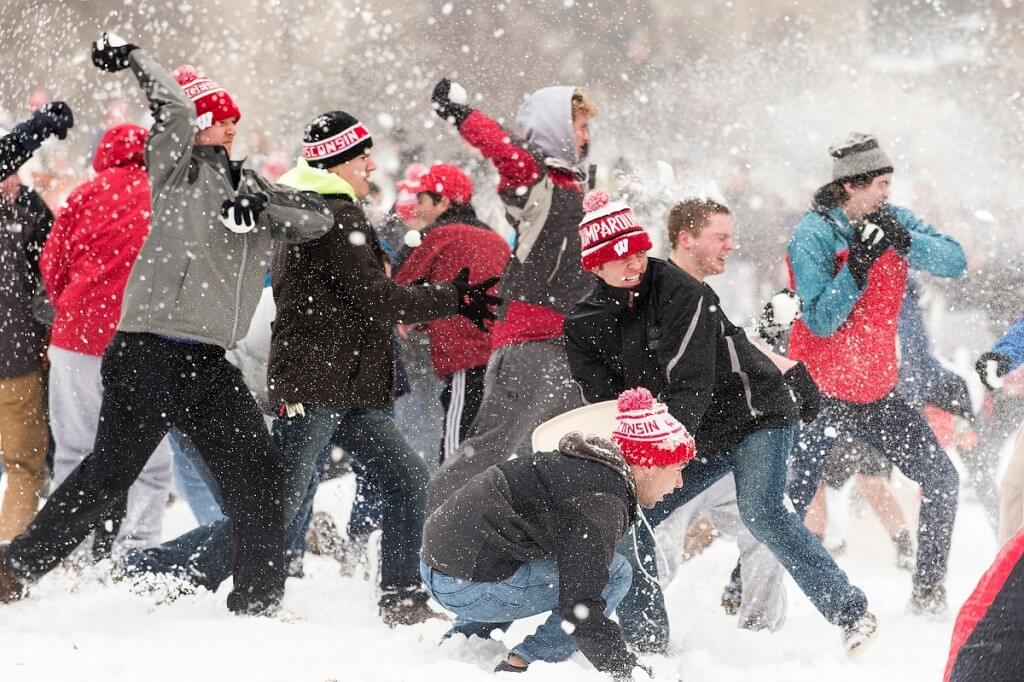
[213, 103]
[647, 434]
[609, 230]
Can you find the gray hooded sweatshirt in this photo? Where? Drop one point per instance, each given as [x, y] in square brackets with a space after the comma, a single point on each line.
[195, 279]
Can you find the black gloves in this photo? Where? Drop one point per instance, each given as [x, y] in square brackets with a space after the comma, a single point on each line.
[894, 233]
[991, 368]
[110, 53]
[450, 111]
[808, 397]
[867, 245]
[53, 118]
[778, 315]
[241, 213]
[474, 301]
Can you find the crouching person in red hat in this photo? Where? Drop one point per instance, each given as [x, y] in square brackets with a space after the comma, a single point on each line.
[538, 533]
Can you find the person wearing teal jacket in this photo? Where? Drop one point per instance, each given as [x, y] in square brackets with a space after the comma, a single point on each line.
[849, 259]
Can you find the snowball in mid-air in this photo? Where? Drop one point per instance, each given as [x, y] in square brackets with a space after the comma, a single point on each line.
[357, 238]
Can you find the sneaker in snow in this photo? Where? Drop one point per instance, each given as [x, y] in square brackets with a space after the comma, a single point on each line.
[506, 667]
[905, 557]
[407, 607]
[859, 634]
[928, 601]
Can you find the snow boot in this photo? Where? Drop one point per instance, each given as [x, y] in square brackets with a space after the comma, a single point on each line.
[928, 601]
[859, 634]
[905, 557]
[11, 589]
[406, 607]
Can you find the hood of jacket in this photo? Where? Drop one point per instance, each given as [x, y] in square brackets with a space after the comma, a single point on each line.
[306, 178]
[545, 120]
[122, 145]
[598, 449]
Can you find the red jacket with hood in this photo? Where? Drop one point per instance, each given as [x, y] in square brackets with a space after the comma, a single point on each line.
[94, 242]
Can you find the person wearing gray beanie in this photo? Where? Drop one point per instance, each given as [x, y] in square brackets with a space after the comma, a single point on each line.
[849, 259]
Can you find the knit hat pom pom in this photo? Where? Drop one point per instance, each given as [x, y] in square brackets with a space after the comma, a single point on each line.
[186, 73]
[635, 399]
[595, 200]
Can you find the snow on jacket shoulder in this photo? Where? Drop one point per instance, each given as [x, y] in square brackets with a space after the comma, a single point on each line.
[94, 242]
[194, 278]
[544, 202]
[847, 336]
[336, 310]
[455, 342]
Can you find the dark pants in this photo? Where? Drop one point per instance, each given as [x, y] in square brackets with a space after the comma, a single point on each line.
[758, 464]
[901, 434]
[463, 392]
[150, 384]
[389, 464]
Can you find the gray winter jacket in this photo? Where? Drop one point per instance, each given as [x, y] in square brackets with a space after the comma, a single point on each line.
[195, 279]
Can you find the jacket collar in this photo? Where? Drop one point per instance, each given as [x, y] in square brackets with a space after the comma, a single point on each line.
[306, 178]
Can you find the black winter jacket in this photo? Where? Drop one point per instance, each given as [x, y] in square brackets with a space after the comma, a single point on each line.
[24, 226]
[670, 336]
[573, 505]
[336, 310]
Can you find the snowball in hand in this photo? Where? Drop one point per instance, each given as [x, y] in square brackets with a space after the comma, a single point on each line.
[239, 228]
[114, 40]
[457, 94]
[785, 308]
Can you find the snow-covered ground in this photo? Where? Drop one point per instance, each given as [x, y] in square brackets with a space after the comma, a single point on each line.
[82, 628]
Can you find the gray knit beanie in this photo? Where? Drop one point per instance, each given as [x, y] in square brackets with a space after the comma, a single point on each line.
[858, 154]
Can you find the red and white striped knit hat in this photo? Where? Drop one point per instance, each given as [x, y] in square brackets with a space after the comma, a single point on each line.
[213, 103]
[609, 230]
[647, 434]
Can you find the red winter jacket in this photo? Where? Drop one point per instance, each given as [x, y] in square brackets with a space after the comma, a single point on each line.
[455, 342]
[988, 636]
[95, 239]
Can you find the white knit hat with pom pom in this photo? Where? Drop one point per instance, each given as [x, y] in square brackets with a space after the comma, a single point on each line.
[609, 230]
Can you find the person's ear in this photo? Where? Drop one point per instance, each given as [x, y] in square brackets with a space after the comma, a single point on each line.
[445, 204]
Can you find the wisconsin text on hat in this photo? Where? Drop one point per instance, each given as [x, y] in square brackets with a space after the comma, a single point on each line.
[200, 88]
[335, 144]
[609, 226]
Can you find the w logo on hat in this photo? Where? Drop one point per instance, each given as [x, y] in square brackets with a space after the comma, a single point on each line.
[621, 247]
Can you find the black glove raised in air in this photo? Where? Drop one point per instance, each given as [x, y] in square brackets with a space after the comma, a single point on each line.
[110, 52]
[454, 112]
[867, 245]
[474, 301]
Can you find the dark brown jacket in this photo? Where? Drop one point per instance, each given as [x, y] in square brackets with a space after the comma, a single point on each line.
[336, 309]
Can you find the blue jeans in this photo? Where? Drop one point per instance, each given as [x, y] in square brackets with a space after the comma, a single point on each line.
[530, 590]
[758, 464]
[370, 438]
[899, 432]
[194, 480]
